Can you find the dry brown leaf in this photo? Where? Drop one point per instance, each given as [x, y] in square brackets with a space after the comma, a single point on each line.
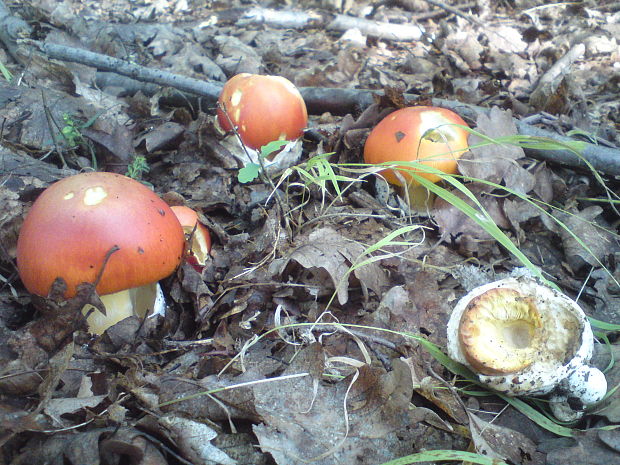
[327, 249]
[499, 442]
[464, 44]
[74, 448]
[456, 226]
[494, 162]
[590, 229]
[164, 136]
[194, 440]
[118, 143]
[235, 56]
[305, 421]
[55, 408]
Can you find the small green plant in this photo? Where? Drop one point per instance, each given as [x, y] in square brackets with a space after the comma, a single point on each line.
[71, 130]
[251, 171]
[8, 76]
[138, 167]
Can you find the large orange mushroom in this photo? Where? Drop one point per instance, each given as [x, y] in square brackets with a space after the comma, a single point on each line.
[79, 221]
[432, 136]
[262, 109]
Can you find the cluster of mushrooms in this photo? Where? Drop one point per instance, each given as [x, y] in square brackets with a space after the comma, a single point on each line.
[517, 336]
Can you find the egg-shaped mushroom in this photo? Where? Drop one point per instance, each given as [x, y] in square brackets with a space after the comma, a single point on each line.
[262, 109]
[432, 136]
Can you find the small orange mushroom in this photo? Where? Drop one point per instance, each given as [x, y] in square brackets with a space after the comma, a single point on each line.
[200, 245]
[262, 109]
[430, 135]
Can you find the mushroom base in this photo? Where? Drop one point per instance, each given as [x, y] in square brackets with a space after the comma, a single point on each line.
[419, 198]
[139, 301]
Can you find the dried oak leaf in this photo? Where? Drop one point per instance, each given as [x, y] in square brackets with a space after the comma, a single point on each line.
[193, 438]
[304, 419]
[584, 228]
[607, 302]
[164, 136]
[457, 226]
[327, 249]
[499, 442]
[73, 448]
[495, 162]
[235, 56]
[55, 408]
[117, 142]
[463, 45]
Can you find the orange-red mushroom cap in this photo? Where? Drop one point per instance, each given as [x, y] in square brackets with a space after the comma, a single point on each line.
[262, 108]
[422, 133]
[74, 224]
[201, 238]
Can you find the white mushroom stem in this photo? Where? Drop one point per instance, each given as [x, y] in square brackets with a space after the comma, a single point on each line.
[585, 386]
[140, 301]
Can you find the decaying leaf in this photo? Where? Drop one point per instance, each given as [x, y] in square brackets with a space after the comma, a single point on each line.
[585, 447]
[55, 408]
[592, 231]
[456, 226]
[193, 438]
[502, 443]
[304, 421]
[326, 248]
[165, 135]
[496, 163]
[235, 56]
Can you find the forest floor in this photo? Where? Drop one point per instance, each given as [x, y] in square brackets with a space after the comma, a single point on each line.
[315, 332]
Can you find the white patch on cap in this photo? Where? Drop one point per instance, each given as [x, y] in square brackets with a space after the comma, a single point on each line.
[436, 127]
[69, 195]
[94, 195]
[235, 98]
[288, 85]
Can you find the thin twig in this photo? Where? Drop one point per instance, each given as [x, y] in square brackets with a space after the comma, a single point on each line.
[51, 123]
[455, 11]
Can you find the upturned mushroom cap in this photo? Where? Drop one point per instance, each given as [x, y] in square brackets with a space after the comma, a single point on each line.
[500, 332]
[422, 133]
[547, 333]
[75, 223]
[262, 108]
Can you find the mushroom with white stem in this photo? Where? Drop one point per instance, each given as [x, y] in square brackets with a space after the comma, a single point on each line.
[262, 109]
[73, 226]
[523, 338]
